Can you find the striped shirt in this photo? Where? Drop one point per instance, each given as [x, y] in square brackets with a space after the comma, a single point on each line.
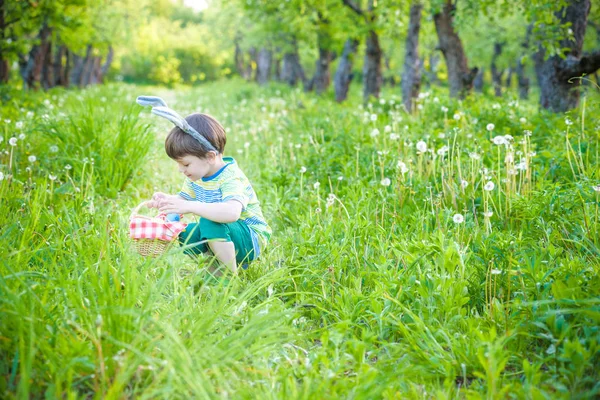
[230, 183]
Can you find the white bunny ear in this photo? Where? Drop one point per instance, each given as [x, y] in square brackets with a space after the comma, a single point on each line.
[151, 101]
[175, 118]
[159, 107]
[171, 115]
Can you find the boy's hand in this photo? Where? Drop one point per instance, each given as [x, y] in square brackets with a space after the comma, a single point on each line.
[176, 205]
[156, 197]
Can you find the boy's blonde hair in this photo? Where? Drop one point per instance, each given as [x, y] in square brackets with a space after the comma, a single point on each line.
[180, 144]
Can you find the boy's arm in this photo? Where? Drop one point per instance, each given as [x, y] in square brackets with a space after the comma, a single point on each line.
[226, 212]
[158, 196]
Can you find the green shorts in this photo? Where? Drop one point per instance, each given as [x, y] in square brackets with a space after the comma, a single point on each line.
[196, 235]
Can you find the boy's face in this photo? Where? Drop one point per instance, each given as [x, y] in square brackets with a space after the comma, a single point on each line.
[196, 168]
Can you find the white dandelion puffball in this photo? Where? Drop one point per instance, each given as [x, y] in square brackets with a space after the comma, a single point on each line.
[12, 141]
[421, 146]
[386, 182]
[32, 159]
[496, 272]
[456, 116]
[489, 186]
[499, 140]
[596, 188]
[373, 117]
[52, 177]
[374, 132]
[521, 166]
[458, 218]
[1, 176]
[402, 167]
[490, 127]
[22, 136]
[464, 184]
[54, 149]
[19, 125]
[488, 213]
[302, 169]
[387, 129]
[442, 151]
[394, 136]
[316, 185]
[444, 109]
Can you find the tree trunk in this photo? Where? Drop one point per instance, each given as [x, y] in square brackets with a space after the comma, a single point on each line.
[31, 67]
[95, 70]
[47, 70]
[509, 76]
[596, 26]
[478, 81]
[372, 78]
[322, 77]
[372, 67]
[411, 76]
[558, 90]
[84, 79]
[277, 68]
[105, 67]
[59, 69]
[460, 78]
[4, 64]
[77, 70]
[4, 71]
[291, 70]
[523, 80]
[343, 74]
[68, 65]
[263, 66]
[496, 73]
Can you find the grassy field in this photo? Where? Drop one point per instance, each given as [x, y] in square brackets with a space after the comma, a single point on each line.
[449, 254]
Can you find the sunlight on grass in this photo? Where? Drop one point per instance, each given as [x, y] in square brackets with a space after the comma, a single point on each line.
[453, 253]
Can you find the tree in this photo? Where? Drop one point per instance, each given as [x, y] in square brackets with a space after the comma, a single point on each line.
[460, 77]
[372, 62]
[343, 75]
[557, 73]
[411, 77]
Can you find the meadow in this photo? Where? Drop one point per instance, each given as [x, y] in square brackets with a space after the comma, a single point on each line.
[453, 253]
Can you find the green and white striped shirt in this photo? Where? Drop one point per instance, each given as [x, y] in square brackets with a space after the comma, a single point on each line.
[230, 183]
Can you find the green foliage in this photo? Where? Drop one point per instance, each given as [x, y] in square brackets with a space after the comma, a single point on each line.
[369, 288]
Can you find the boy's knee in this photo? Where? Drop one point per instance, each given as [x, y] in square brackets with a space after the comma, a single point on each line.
[214, 230]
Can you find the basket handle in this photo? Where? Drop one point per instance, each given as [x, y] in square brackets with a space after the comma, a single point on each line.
[137, 208]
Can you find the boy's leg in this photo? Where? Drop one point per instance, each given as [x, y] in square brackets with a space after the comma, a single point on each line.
[225, 253]
[191, 238]
[231, 243]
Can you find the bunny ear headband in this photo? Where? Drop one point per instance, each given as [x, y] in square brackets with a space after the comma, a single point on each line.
[159, 107]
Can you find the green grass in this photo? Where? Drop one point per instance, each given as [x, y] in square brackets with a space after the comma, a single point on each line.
[369, 289]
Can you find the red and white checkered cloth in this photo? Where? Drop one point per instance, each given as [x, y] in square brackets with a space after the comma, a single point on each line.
[155, 228]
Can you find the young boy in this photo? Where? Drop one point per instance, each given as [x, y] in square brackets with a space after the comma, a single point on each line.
[231, 224]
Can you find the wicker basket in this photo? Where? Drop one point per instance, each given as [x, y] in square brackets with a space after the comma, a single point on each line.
[148, 247]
